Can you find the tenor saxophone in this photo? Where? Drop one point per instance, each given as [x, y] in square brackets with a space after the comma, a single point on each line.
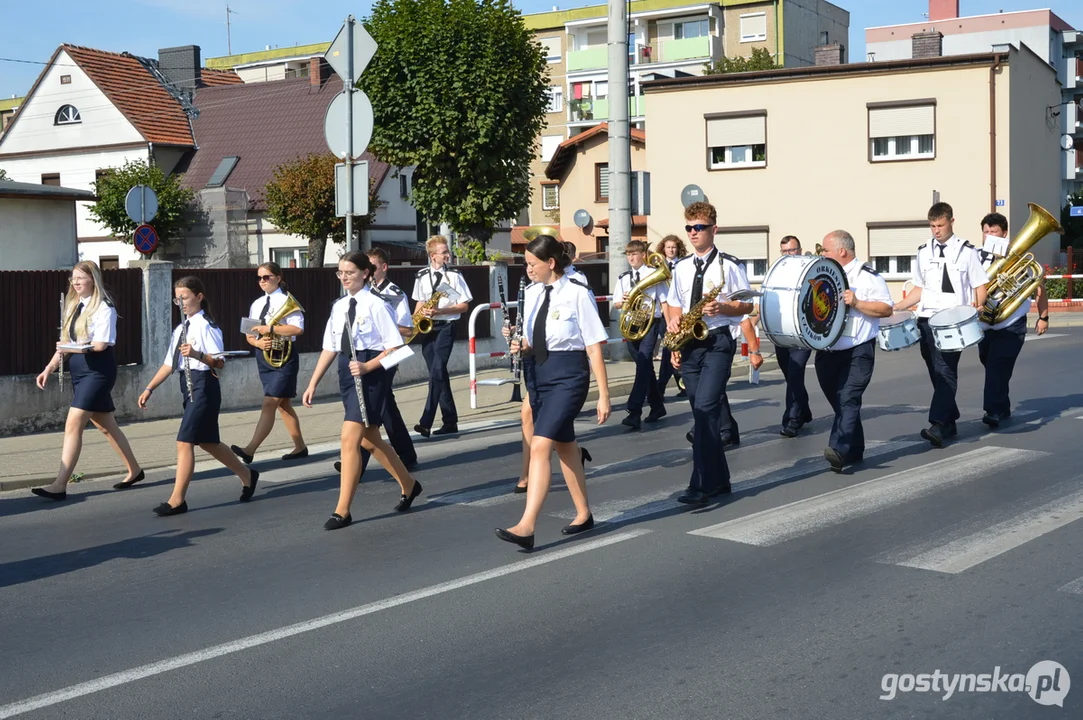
[692, 326]
[422, 323]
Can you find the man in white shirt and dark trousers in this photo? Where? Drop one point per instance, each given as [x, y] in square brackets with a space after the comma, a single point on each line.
[948, 274]
[436, 345]
[645, 385]
[792, 362]
[845, 369]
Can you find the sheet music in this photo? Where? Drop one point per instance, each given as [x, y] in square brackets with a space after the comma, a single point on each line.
[394, 358]
[247, 324]
[742, 295]
[450, 292]
[75, 346]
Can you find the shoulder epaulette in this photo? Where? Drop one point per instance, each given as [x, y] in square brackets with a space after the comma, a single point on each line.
[682, 259]
[869, 269]
[213, 324]
[108, 301]
[394, 289]
[623, 274]
[422, 271]
[731, 258]
[923, 246]
[966, 243]
[447, 269]
[580, 283]
[986, 256]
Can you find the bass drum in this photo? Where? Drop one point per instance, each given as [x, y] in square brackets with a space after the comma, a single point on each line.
[802, 303]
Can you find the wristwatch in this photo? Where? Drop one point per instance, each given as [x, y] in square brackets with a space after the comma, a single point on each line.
[755, 352]
[1044, 319]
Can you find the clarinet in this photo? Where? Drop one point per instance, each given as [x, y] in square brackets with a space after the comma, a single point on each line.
[357, 378]
[187, 369]
[505, 314]
[517, 334]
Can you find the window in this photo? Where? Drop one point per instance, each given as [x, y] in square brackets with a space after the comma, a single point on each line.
[65, 79]
[221, 173]
[902, 131]
[556, 100]
[753, 27]
[551, 48]
[550, 196]
[290, 257]
[893, 246]
[601, 182]
[549, 145]
[109, 262]
[404, 185]
[823, 37]
[102, 174]
[67, 115]
[690, 29]
[737, 140]
[749, 245]
[51, 179]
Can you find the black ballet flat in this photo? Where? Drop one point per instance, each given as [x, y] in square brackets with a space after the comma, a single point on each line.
[239, 452]
[525, 542]
[165, 509]
[42, 492]
[584, 456]
[302, 453]
[519, 489]
[405, 502]
[128, 483]
[248, 490]
[337, 522]
[587, 524]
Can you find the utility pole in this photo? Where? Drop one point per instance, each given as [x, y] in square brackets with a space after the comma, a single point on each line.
[229, 35]
[620, 149]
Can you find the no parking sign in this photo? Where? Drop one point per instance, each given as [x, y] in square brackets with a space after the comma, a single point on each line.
[145, 239]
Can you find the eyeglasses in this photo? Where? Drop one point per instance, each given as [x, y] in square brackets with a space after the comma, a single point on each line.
[264, 278]
[698, 227]
[791, 251]
[178, 302]
[343, 274]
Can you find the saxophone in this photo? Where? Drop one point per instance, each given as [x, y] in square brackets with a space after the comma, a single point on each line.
[692, 325]
[637, 315]
[423, 324]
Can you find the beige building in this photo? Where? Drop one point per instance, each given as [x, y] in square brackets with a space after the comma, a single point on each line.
[864, 147]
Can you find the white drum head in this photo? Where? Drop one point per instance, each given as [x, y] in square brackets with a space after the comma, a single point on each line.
[951, 317]
[897, 318]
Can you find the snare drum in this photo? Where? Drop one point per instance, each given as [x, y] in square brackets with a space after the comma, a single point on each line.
[898, 332]
[802, 305]
[955, 329]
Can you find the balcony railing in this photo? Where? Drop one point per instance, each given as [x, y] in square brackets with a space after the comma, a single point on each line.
[664, 51]
[595, 58]
[597, 109]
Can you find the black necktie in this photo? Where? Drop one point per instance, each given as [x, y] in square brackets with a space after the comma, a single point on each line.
[697, 282]
[347, 335]
[541, 350]
[74, 316]
[436, 277]
[266, 309]
[945, 281]
[635, 278]
[180, 341]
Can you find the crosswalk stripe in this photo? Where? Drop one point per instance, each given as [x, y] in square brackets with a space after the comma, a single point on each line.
[1075, 587]
[1047, 336]
[803, 517]
[973, 549]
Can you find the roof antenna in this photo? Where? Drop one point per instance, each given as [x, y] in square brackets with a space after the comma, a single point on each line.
[229, 37]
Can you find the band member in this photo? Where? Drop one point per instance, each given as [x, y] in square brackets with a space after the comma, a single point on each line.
[362, 382]
[571, 272]
[706, 363]
[1000, 345]
[845, 369]
[564, 347]
[792, 362]
[436, 345]
[191, 354]
[279, 384]
[948, 274]
[645, 385]
[674, 249]
[89, 318]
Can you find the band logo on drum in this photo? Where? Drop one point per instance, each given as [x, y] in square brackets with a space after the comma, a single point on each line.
[821, 302]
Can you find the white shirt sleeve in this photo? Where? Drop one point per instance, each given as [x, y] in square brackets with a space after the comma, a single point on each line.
[673, 297]
[975, 271]
[919, 270]
[590, 325]
[172, 346]
[875, 290]
[329, 333]
[736, 278]
[103, 326]
[385, 325]
[462, 288]
[416, 295]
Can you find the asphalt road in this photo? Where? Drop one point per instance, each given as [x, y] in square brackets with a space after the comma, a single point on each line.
[805, 595]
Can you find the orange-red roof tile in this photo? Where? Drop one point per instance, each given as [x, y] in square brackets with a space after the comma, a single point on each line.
[216, 78]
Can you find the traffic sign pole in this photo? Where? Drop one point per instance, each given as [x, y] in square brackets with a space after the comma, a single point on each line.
[350, 244]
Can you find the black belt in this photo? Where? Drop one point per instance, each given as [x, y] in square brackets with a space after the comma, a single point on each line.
[441, 323]
[719, 330]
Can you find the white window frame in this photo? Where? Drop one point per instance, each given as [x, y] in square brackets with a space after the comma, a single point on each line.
[894, 271]
[549, 145]
[551, 58]
[750, 269]
[67, 115]
[546, 205]
[759, 37]
[556, 99]
[911, 143]
[691, 21]
[729, 164]
[297, 255]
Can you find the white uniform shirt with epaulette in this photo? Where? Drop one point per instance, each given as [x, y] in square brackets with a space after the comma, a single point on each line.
[868, 286]
[102, 327]
[997, 247]
[964, 271]
[204, 337]
[429, 279]
[374, 327]
[572, 322]
[572, 273]
[396, 300]
[278, 299]
[721, 269]
[630, 278]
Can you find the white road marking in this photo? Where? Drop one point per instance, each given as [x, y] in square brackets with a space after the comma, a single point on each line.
[804, 517]
[1047, 336]
[1075, 587]
[193, 658]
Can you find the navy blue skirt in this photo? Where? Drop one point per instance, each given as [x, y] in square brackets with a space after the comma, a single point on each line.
[93, 375]
[280, 382]
[374, 385]
[558, 388]
[200, 422]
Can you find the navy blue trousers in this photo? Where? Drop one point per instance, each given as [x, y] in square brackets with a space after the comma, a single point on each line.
[944, 374]
[436, 349]
[998, 351]
[665, 370]
[397, 434]
[706, 366]
[843, 376]
[645, 386]
[792, 362]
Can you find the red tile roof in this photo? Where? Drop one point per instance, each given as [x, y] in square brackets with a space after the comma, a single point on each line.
[637, 221]
[566, 149]
[216, 78]
[265, 125]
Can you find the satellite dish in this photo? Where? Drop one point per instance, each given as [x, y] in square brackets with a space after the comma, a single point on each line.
[581, 218]
[1067, 142]
[692, 194]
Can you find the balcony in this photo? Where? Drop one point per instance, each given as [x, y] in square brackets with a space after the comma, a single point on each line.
[666, 51]
[595, 58]
[597, 109]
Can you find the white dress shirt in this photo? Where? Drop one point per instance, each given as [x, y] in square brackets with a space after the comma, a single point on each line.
[203, 336]
[101, 326]
[869, 286]
[427, 281]
[723, 269]
[630, 278]
[278, 299]
[964, 270]
[996, 247]
[572, 322]
[397, 301]
[373, 328]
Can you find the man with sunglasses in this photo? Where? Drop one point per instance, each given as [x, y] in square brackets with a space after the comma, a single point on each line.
[792, 362]
[706, 364]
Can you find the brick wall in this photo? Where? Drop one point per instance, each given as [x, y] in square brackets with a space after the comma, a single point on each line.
[833, 54]
[925, 45]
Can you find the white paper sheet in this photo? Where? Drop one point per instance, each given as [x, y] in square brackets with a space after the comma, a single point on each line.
[394, 358]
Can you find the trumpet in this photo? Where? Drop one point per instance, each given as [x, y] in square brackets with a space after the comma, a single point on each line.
[281, 348]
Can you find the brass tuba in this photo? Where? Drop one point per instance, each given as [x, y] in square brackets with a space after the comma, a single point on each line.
[279, 352]
[637, 313]
[1016, 276]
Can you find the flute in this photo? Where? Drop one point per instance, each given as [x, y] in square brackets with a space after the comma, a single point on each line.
[357, 378]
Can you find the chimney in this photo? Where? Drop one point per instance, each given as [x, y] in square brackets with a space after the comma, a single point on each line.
[318, 71]
[943, 10]
[181, 66]
[832, 54]
[927, 45]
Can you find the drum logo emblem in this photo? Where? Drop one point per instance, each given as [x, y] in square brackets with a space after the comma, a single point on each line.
[821, 305]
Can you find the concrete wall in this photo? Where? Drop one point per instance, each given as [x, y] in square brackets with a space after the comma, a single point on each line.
[803, 22]
[37, 234]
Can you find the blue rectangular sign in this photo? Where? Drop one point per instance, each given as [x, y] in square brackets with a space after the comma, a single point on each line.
[1076, 211]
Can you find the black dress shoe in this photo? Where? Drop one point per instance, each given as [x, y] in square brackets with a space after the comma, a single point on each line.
[422, 430]
[165, 509]
[724, 489]
[248, 490]
[690, 437]
[789, 430]
[519, 489]
[694, 497]
[446, 429]
[406, 501]
[950, 430]
[991, 419]
[239, 452]
[42, 492]
[584, 456]
[631, 421]
[835, 458]
[681, 394]
[526, 542]
[934, 435]
[302, 453]
[587, 524]
[128, 483]
[730, 438]
[655, 415]
[337, 522]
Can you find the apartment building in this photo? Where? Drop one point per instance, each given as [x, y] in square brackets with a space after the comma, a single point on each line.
[8, 108]
[270, 63]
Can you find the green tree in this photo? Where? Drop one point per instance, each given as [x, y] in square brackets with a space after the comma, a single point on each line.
[175, 202]
[761, 59]
[459, 89]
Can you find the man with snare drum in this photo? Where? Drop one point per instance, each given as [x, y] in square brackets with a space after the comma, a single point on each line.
[792, 362]
[948, 274]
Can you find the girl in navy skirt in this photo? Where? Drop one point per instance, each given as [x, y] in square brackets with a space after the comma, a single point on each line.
[191, 355]
[361, 324]
[279, 384]
[562, 344]
[89, 318]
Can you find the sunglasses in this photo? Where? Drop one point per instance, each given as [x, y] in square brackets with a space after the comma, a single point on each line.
[264, 278]
[698, 227]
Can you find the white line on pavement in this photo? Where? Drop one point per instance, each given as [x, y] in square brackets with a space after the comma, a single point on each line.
[1075, 587]
[180, 661]
[1047, 336]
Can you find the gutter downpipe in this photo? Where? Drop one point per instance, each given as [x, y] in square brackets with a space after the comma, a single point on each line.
[993, 132]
